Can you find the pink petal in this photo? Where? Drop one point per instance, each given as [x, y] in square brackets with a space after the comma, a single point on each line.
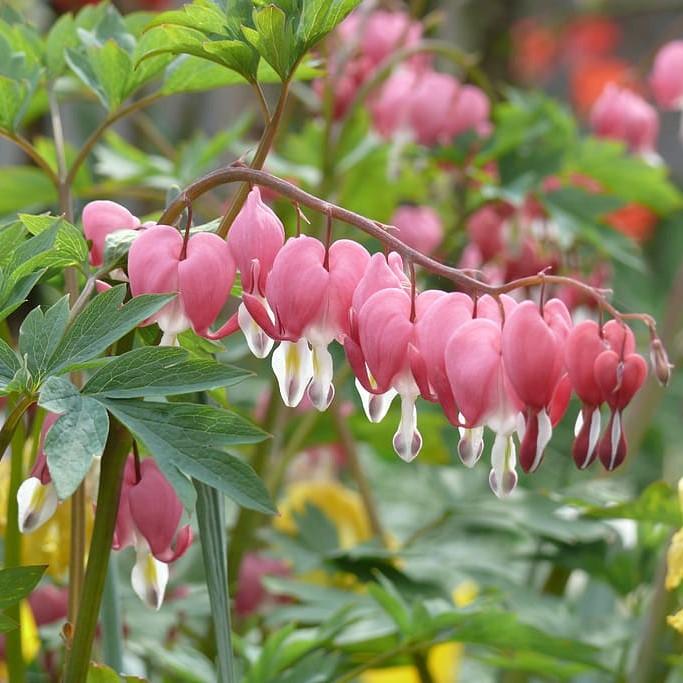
[101, 218]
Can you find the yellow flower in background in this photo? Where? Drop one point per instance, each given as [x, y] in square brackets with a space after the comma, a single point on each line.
[49, 544]
[443, 661]
[674, 566]
[342, 506]
[30, 641]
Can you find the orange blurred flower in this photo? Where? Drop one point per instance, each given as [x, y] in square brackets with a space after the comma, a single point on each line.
[590, 37]
[534, 50]
[633, 220]
[589, 78]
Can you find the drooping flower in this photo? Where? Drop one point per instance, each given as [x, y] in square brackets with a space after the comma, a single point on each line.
[101, 218]
[419, 227]
[387, 31]
[201, 271]
[533, 353]
[385, 348]
[148, 518]
[485, 396]
[666, 79]
[619, 372]
[471, 112]
[36, 497]
[309, 291]
[621, 114]
[254, 240]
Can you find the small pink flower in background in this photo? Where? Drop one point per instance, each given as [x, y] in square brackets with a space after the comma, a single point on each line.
[471, 112]
[621, 114]
[37, 497]
[385, 32]
[101, 218]
[201, 272]
[148, 518]
[252, 596]
[486, 229]
[533, 353]
[49, 604]
[666, 79]
[254, 240]
[390, 108]
[309, 293]
[419, 227]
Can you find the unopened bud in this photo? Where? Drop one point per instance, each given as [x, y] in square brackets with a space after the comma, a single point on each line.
[660, 361]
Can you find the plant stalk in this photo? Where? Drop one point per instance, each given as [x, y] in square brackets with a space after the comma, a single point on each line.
[112, 628]
[211, 521]
[260, 157]
[111, 475]
[16, 667]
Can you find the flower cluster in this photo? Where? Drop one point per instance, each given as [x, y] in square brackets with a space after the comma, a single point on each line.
[500, 363]
[148, 517]
[416, 102]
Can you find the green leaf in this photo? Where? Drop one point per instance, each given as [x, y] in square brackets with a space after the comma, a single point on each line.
[17, 295]
[77, 437]
[17, 582]
[160, 371]
[24, 187]
[319, 17]
[188, 436]
[103, 321]
[9, 363]
[40, 334]
[62, 36]
[7, 624]
[273, 37]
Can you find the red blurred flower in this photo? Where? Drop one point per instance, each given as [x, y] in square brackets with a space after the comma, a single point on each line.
[633, 220]
[588, 80]
[589, 37]
[534, 50]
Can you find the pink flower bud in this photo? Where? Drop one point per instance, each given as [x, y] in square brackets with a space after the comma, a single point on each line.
[666, 79]
[660, 361]
[471, 112]
[101, 218]
[419, 227]
[620, 114]
[148, 518]
[202, 277]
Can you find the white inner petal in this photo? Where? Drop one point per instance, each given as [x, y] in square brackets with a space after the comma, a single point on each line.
[376, 406]
[149, 577]
[594, 434]
[321, 389]
[578, 424]
[259, 343]
[408, 440]
[37, 503]
[503, 475]
[293, 367]
[471, 445]
[616, 437]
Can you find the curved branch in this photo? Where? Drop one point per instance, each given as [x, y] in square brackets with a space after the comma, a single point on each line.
[32, 153]
[238, 172]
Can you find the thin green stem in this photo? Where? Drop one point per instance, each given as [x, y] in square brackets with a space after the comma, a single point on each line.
[12, 421]
[94, 137]
[16, 667]
[30, 151]
[111, 475]
[112, 628]
[260, 157]
[211, 521]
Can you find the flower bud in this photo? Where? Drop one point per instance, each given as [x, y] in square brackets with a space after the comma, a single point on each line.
[660, 361]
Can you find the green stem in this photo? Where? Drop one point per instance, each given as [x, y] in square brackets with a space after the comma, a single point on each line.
[260, 157]
[111, 475]
[420, 663]
[211, 521]
[12, 421]
[112, 629]
[32, 153]
[16, 668]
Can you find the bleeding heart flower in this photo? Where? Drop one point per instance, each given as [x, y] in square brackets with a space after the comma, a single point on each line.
[666, 78]
[252, 595]
[470, 112]
[620, 114]
[419, 227]
[101, 218]
[533, 352]
[148, 518]
[37, 498]
[619, 372]
[254, 240]
[484, 395]
[200, 271]
[385, 32]
[309, 290]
